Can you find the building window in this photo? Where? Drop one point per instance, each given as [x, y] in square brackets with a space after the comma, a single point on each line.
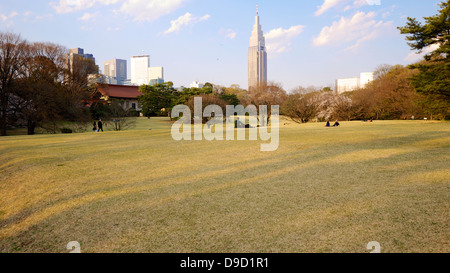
[133, 105]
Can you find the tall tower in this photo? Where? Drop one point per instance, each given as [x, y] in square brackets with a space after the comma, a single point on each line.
[257, 56]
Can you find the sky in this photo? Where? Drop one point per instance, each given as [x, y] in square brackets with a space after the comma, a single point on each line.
[310, 42]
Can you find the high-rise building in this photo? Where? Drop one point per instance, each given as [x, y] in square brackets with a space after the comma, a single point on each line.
[156, 75]
[80, 52]
[75, 58]
[116, 69]
[139, 69]
[257, 56]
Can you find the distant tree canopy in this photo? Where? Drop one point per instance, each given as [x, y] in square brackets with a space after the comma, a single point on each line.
[266, 94]
[157, 99]
[208, 99]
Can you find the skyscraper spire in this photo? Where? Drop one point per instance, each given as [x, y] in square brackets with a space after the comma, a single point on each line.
[257, 55]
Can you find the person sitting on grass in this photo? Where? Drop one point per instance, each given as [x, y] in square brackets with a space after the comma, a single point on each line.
[238, 124]
[328, 124]
[336, 124]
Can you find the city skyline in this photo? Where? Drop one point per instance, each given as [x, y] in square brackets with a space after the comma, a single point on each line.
[309, 42]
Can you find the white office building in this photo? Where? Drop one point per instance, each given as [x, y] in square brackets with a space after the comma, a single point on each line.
[365, 78]
[352, 84]
[196, 84]
[156, 75]
[140, 70]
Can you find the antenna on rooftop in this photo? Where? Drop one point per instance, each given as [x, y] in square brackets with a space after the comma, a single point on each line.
[257, 9]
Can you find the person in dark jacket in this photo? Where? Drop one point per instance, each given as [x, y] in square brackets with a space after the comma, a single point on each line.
[100, 125]
[94, 129]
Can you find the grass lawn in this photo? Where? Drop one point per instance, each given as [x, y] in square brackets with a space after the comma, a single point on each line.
[323, 190]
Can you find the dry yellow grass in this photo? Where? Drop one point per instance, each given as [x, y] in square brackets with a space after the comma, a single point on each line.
[324, 190]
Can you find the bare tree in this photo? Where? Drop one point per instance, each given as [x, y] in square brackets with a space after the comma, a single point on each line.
[12, 49]
[381, 71]
[267, 94]
[301, 108]
[343, 109]
[207, 100]
[120, 118]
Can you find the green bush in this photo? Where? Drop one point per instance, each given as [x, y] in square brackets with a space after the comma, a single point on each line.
[133, 113]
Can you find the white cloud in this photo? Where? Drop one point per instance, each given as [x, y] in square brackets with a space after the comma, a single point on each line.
[231, 35]
[33, 17]
[228, 33]
[279, 40]
[149, 10]
[415, 57]
[185, 20]
[328, 4]
[88, 16]
[139, 10]
[67, 6]
[360, 28]
[359, 3]
[8, 17]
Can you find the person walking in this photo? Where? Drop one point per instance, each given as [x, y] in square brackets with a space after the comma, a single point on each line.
[94, 129]
[100, 125]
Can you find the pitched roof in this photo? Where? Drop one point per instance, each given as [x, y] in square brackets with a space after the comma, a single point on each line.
[119, 91]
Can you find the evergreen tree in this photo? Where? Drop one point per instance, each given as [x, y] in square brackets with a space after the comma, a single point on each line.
[433, 80]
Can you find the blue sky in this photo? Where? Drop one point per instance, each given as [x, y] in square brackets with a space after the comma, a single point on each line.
[311, 42]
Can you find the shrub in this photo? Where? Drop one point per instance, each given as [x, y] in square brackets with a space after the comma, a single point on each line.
[66, 131]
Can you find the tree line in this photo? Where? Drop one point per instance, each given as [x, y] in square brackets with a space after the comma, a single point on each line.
[38, 85]
[392, 95]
